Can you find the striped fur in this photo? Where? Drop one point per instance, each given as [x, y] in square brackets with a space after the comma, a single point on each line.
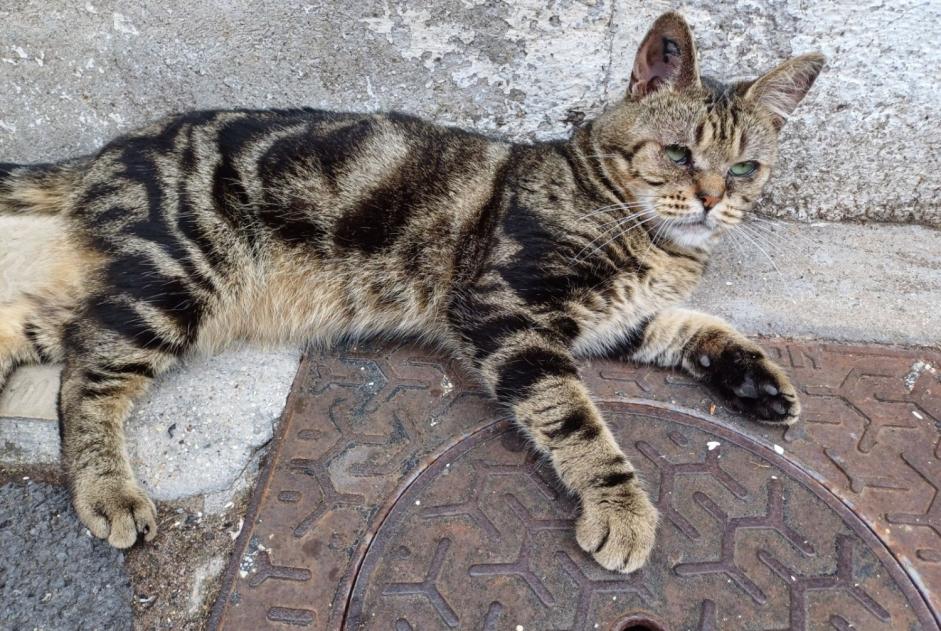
[282, 226]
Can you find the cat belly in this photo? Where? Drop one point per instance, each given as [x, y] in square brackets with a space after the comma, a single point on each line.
[42, 278]
[297, 300]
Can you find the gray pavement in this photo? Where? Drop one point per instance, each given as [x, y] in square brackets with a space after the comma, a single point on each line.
[848, 282]
[53, 573]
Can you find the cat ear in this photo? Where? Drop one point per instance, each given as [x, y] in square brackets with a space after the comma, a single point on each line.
[780, 90]
[666, 58]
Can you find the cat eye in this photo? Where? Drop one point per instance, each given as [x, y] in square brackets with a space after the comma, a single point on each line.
[741, 169]
[678, 154]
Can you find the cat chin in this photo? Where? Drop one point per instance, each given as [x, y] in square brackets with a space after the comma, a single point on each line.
[698, 235]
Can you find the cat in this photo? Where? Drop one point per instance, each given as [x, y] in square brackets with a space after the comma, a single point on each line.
[282, 226]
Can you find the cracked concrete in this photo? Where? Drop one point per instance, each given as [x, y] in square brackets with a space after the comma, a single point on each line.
[862, 146]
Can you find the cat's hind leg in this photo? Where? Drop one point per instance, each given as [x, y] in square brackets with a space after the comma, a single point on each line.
[14, 345]
[27, 336]
[43, 275]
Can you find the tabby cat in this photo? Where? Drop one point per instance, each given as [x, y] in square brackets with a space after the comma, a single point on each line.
[280, 226]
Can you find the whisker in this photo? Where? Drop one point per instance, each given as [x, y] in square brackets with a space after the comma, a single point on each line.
[618, 226]
[735, 241]
[647, 217]
[767, 256]
[762, 238]
[771, 234]
[661, 228]
[788, 231]
[602, 209]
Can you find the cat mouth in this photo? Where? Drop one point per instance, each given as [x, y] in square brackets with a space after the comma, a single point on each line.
[700, 222]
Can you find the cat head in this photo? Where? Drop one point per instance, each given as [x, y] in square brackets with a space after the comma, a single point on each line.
[692, 153]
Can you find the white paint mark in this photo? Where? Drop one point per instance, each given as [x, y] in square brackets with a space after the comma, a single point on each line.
[123, 25]
[712, 444]
[238, 529]
[915, 372]
[446, 385]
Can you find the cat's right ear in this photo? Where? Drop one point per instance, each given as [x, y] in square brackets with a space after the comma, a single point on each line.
[666, 58]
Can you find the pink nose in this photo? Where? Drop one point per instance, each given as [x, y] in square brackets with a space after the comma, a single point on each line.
[708, 200]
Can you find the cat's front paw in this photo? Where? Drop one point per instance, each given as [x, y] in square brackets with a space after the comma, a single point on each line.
[619, 528]
[752, 382]
[114, 508]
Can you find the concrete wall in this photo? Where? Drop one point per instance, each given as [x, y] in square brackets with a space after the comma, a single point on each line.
[864, 145]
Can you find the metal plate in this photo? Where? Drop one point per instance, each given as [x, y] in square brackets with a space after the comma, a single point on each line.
[397, 498]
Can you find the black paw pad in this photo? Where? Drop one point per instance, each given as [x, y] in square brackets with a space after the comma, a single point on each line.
[752, 384]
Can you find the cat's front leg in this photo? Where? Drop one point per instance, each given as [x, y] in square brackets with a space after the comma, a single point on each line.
[534, 375]
[99, 387]
[710, 349]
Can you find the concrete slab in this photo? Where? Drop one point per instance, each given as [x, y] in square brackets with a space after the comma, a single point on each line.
[73, 75]
[196, 433]
[829, 281]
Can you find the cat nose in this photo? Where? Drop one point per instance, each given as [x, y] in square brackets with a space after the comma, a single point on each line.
[708, 199]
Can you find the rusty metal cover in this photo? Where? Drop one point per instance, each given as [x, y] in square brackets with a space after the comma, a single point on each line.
[397, 497]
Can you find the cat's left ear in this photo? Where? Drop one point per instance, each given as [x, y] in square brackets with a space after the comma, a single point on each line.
[780, 90]
[666, 58]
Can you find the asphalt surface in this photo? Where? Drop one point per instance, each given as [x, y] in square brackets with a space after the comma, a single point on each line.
[53, 574]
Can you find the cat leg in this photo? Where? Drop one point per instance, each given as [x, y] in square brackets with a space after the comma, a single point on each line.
[530, 372]
[711, 350]
[98, 389]
[18, 343]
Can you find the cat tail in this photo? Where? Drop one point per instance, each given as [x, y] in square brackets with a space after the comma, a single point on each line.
[37, 189]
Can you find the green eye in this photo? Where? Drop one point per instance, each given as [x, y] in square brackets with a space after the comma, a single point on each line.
[678, 154]
[742, 169]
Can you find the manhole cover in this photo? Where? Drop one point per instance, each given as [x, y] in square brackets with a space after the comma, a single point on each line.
[398, 498]
[482, 539]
